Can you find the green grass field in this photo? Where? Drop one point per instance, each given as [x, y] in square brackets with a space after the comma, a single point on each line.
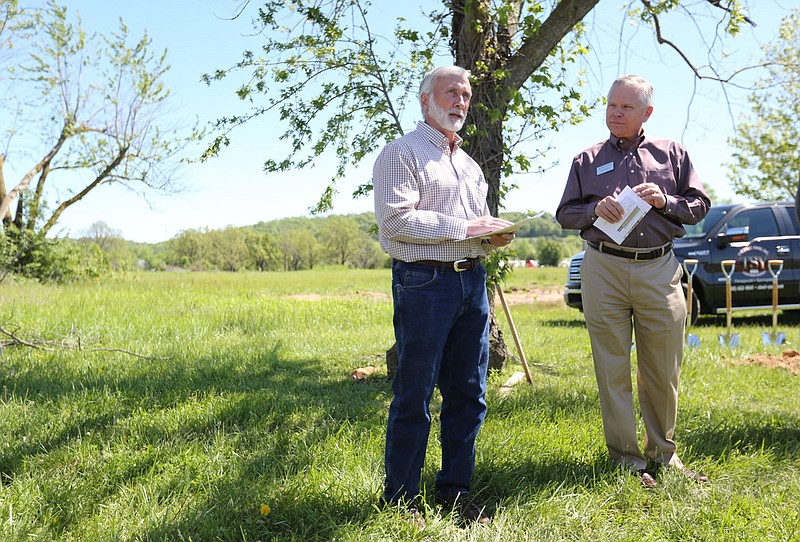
[207, 407]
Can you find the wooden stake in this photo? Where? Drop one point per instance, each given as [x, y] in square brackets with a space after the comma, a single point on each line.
[514, 334]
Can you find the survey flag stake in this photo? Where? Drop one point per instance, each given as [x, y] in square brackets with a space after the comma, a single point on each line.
[691, 338]
[775, 268]
[729, 338]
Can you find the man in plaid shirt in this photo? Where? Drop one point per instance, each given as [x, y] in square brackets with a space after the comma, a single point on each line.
[430, 204]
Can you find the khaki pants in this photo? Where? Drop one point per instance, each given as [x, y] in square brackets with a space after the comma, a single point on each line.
[620, 297]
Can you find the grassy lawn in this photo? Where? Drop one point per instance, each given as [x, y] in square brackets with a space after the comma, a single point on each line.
[220, 407]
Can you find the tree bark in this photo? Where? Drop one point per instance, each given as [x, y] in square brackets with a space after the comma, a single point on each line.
[484, 46]
[5, 218]
[8, 199]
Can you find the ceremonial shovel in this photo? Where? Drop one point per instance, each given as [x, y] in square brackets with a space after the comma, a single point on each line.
[775, 268]
[731, 339]
[691, 338]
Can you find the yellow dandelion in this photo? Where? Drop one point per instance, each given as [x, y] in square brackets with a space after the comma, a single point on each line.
[265, 509]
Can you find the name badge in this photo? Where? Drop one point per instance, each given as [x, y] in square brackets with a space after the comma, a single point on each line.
[605, 168]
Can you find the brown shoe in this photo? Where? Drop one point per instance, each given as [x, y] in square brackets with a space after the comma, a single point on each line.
[646, 478]
[696, 476]
[467, 510]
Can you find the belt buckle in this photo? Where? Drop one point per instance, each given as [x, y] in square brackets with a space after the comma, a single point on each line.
[455, 265]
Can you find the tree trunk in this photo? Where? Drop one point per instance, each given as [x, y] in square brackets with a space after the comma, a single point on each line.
[498, 351]
[6, 218]
[485, 47]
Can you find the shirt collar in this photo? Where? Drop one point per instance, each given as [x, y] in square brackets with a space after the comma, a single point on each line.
[438, 138]
[622, 145]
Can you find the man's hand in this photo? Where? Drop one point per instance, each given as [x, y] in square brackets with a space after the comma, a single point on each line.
[488, 224]
[502, 239]
[609, 209]
[652, 194]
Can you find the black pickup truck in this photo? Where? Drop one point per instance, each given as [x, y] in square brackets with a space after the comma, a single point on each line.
[750, 234]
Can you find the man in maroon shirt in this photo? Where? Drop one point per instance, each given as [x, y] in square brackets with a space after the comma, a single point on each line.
[634, 286]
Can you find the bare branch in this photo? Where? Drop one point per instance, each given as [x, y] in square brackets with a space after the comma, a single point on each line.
[17, 341]
[103, 175]
[716, 77]
[51, 346]
[663, 41]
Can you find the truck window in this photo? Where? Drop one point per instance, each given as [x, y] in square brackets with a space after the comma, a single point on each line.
[703, 228]
[760, 221]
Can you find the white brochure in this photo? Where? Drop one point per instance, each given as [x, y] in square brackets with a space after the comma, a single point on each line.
[634, 209]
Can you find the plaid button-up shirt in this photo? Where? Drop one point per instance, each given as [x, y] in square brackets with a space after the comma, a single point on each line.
[425, 195]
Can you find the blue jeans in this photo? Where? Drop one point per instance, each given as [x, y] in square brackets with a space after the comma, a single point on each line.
[441, 324]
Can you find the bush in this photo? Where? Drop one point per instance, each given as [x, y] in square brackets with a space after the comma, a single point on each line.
[50, 260]
[549, 252]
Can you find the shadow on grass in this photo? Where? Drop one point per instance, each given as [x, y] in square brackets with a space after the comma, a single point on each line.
[537, 474]
[541, 467]
[787, 319]
[274, 408]
[752, 319]
[746, 433]
[298, 404]
[740, 433]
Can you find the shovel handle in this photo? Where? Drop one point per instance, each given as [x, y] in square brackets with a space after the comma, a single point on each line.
[727, 270]
[687, 263]
[727, 267]
[775, 268]
[690, 262]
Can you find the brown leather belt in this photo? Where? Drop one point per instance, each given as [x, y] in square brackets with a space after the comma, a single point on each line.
[458, 266]
[631, 254]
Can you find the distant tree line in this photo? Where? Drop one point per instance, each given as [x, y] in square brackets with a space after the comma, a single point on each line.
[293, 244]
[289, 244]
[542, 240]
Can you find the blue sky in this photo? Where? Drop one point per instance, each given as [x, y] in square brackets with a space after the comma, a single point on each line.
[233, 189]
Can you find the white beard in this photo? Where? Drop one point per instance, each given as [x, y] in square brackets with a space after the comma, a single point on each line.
[442, 118]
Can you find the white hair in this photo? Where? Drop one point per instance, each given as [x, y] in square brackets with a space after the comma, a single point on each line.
[430, 78]
[643, 88]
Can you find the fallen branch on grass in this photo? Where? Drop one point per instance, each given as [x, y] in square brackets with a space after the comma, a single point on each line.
[51, 346]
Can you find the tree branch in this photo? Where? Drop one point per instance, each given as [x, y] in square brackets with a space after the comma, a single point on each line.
[5, 205]
[121, 155]
[535, 50]
[50, 346]
[718, 4]
[664, 41]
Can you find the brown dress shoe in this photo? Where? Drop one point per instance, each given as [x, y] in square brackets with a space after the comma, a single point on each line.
[646, 478]
[467, 510]
[696, 476]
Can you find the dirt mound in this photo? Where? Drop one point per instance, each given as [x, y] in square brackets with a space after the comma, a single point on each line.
[515, 296]
[789, 360]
